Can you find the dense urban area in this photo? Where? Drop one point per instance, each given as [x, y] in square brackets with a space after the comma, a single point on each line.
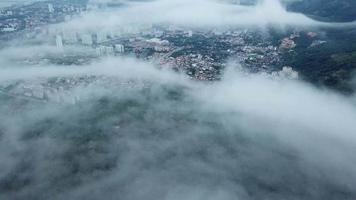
[201, 54]
[177, 99]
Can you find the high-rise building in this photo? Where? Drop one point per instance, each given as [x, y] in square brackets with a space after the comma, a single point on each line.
[109, 50]
[119, 48]
[50, 8]
[59, 42]
[87, 39]
[101, 37]
[104, 50]
[70, 37]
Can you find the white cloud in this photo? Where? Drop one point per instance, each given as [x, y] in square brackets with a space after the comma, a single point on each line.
[6, 3]
[244, 137]
[207, 140]
[197, 14]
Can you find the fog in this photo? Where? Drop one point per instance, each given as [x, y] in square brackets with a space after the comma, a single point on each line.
[165, 136]
[6, 3]
[136, 130]
[194, 14]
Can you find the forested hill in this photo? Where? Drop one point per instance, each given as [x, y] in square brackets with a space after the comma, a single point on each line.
[329, 10]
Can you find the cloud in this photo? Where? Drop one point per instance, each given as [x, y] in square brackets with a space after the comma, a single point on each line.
[246, 137]
[6, 3]
[194, 14]
[137, 131]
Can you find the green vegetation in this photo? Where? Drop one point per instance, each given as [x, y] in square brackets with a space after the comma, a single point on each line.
[330, 64]
[328, 10]
[345, 58]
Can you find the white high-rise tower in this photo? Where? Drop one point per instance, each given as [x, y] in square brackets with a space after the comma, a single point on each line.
[50, 8]
[59, 42]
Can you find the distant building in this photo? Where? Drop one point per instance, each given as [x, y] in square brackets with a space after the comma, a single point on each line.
[50, 8]
[312, 34]
[8, 29]
[59, 42]
[99, 51]
[119, 48]
[70, 37]
[157, 41]
[287, 43]
[101, 37]
[162, 48]
[109, 50]
[104, 50]
[190, 33]
[87, 39]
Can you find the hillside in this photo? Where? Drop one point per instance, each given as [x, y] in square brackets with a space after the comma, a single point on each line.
[328, 10]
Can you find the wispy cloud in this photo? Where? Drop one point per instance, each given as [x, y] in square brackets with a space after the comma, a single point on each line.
[163, 136]
[200, 13]
[177, 138]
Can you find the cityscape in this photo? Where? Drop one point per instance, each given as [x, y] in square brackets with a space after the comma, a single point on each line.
[200, 54]
[177, 99]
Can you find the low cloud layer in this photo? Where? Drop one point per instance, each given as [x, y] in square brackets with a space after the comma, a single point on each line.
[246, 137]
[195, 14]
[6, 3]
[136, 131]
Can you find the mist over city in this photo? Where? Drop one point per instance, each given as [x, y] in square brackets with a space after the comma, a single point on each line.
[178, 100]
